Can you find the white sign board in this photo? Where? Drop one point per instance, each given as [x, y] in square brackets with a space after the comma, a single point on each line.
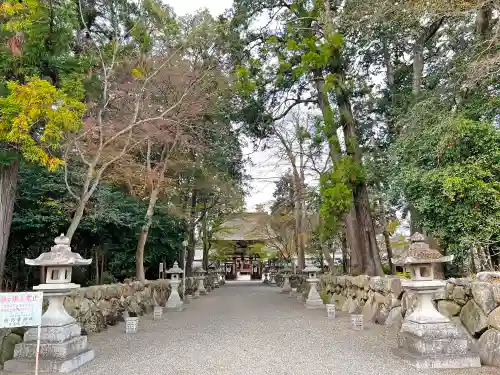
[21, 309]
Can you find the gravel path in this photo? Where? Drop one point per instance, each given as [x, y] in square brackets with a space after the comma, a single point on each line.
[247, 328]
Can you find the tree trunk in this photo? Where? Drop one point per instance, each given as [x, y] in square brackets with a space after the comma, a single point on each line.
[139, 253]
[343, 246]
[8, 186]
[191, 234]
[351, 224]
[143, 236]
[206, 245]
[77, 217]
[298, 215]
[388, 247]
[356, 255]
[366, 229]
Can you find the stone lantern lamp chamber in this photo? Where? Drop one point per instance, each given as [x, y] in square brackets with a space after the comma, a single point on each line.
[62, 347]
[427, 338]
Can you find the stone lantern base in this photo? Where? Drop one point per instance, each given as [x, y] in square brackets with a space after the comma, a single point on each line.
[435, 345]
[62, 348]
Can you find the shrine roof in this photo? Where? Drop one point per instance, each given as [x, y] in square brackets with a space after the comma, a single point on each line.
[247, 226]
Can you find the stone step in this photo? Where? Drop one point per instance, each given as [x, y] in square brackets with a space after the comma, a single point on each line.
[27, 366]
[50, 350]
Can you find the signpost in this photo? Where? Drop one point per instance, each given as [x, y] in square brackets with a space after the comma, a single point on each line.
[161, 271]
[22, 310]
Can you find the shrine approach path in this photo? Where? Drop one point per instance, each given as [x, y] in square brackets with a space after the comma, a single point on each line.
[245, 328]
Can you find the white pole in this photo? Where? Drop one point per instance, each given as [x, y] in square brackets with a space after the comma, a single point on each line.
[37, 358]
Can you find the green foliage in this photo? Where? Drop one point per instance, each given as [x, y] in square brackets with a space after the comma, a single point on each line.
[109, 228]
[34, 118]
[449, 167]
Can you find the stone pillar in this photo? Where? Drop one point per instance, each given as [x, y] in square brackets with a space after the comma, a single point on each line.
[201, 285]
[200, 278]
[62, 348]
[313, 300]
[174, 302]
[287, 288]
[216, 279]
[272, 277]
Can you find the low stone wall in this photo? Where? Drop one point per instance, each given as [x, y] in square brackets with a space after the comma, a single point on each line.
[97, 307]
[473, 305]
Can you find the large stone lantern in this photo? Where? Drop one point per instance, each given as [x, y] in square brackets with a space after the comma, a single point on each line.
[200, 277]
[313, 300]
[427, 338]
[62, 348]
[174, 300]
[287, 288]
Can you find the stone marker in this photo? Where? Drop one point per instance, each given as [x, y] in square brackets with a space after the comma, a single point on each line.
[427, 338]
[174, 302]
[62, 347]
[157, 312]
[357, 322]
[330, 310]
[313, 300]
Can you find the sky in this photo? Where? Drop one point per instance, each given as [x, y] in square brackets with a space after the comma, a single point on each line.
[259, 165]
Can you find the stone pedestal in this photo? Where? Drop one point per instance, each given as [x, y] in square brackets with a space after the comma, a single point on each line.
[62, 348]
[428, 339]
[174, 302]
[313, 300]
[201, 285]
[272, 279]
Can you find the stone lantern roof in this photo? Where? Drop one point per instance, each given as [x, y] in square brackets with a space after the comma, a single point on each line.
[59, 255]
[311, 269]
[420, 252]
[175, 269]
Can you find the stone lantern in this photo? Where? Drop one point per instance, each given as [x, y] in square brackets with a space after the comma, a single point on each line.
[62, 348]
[209, 287]
[174, 300]
[313, 300]
[272, 276]
[200, 277]
[287, 288]
[222, 275]
[215, 277]
[427, 338]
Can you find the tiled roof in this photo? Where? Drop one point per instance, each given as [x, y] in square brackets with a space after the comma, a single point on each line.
[248, 226]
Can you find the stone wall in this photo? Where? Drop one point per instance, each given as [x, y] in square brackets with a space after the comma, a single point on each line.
[473, 305]
[100, 306]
